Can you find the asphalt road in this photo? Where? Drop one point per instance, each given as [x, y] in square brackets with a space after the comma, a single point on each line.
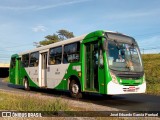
[132, 102]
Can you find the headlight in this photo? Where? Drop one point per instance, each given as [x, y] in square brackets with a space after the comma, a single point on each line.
[114, 79]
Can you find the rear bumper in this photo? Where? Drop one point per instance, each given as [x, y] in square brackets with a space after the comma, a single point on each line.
[114, 89]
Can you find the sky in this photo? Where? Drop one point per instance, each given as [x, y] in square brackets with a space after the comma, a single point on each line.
[23, 22]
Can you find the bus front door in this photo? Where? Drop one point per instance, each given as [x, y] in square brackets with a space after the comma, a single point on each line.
[91, 66]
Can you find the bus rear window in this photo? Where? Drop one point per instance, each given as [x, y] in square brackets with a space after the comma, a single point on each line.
[13, 62]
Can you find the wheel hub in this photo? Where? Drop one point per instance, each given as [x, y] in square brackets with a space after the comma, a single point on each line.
[25, 84]
[75, 88]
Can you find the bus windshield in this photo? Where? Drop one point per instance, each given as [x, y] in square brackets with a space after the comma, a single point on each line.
[124, 57]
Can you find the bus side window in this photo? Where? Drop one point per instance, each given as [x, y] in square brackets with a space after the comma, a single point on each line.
[71, 52]
[55, 55]
[34, 59]
[25, 60]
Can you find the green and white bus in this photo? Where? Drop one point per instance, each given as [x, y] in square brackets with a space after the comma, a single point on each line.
[101, 62]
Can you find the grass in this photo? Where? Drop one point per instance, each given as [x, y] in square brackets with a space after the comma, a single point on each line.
[6, 79]
[19, 102]
[153, 89]
[152, 72]
[16, 102]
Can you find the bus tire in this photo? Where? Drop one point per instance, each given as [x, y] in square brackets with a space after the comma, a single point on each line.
[74, 89]
[26, 84]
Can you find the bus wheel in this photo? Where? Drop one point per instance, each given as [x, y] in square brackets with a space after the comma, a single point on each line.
[74, 88]
[26, 84]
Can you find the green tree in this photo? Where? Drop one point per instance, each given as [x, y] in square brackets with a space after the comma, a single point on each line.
[64, 34]
[49, 39]
[58, 36]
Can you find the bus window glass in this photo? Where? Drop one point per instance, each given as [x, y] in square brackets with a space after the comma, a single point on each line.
[25, 60]
[55, 55]
[71, 52]
[13, 62]
[34, 58]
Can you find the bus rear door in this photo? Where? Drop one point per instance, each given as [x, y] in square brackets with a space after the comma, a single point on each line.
[44, 69]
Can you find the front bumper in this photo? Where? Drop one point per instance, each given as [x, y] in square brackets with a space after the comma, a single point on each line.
[114, 88]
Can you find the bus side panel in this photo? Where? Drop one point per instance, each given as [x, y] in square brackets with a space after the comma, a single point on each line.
[23, 74]
[32, 75]
[55, 76]
[73, 70]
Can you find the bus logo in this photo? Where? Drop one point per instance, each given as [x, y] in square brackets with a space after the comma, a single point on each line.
[57, 72]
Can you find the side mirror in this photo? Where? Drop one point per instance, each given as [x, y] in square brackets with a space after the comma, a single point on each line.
[105, 45]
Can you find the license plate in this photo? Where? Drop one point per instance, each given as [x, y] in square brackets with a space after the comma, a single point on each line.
[132, 88]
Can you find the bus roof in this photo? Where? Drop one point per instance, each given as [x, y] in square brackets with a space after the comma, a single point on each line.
[71, 40]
